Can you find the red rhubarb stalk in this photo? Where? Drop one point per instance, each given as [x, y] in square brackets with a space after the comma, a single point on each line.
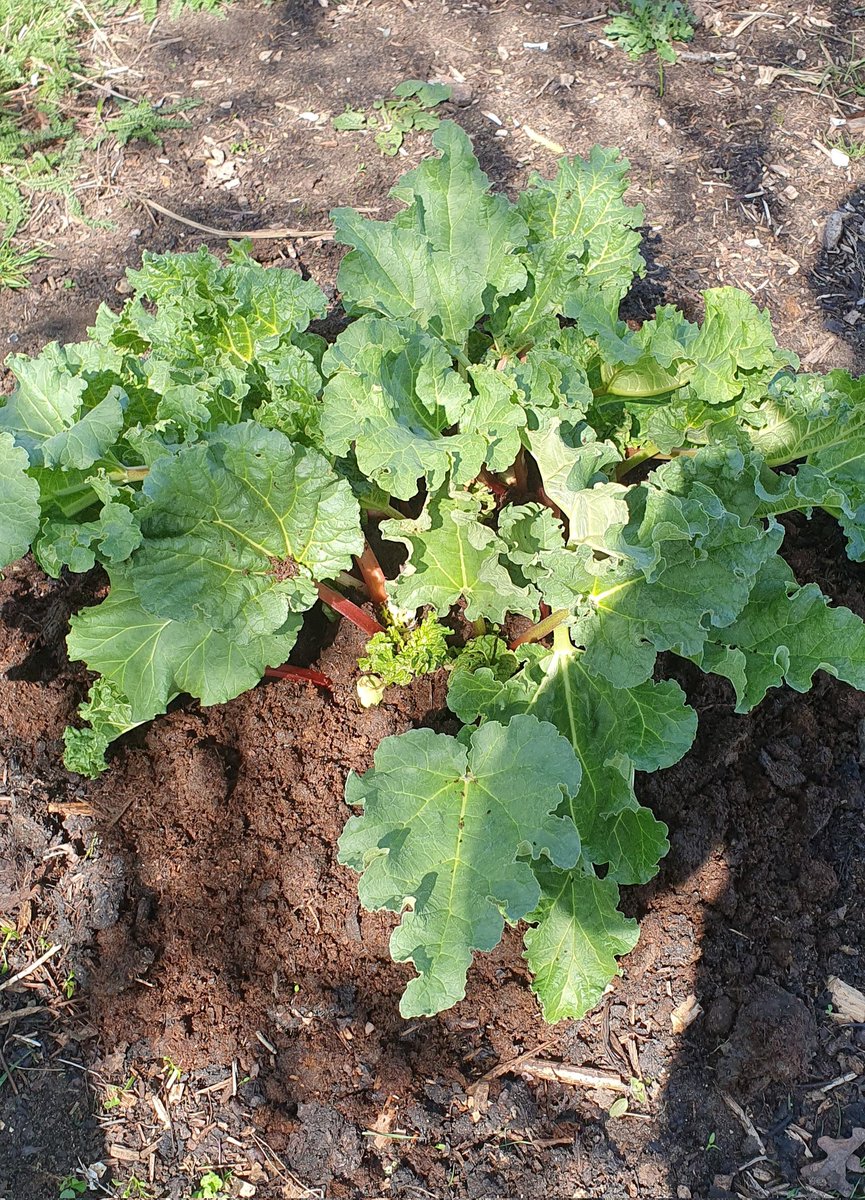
[347, 609]
[495, 485]
[306, 674]
[373, 575]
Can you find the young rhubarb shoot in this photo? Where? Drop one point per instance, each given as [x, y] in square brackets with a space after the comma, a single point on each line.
[400, 654]
[373, 576]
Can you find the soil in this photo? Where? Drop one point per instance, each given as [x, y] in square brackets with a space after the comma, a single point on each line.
[218, 999]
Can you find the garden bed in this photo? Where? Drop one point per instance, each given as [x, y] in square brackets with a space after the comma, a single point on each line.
[203, 919]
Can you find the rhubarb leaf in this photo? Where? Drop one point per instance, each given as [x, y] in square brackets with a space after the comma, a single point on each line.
[392, 396]
[449, 201]
[443, 837]
[111, 538]
[237, 528]
[19, 501]
[784, 635]
[583, 242]
[453, 556]
[441, 258]
[613, 731]
[149, 660]
[107, 715]
[573, 947]
[46, 401]
[692, 565]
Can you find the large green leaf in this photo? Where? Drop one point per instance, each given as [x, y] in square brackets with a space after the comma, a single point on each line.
[47, 415]
[453, 556]
[571, 461]
[613, 732]
[573, 947]
[435, 262]
[692, 567]
[393, 395]
[450, 203]
[734, 341]
[46, 401]
[237, 313]
[784, 635]
[572, 950]
[237, 528]
[442, 836]
[583, 241]
[149, 660]
[19, 501]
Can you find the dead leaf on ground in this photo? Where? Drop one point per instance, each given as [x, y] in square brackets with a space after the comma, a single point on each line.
[831, 1172]
[685, 1014]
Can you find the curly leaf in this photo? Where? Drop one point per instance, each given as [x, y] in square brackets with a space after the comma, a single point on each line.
[392, 396]
[583, 241]
[45, 413]
[449, 202]
[452, 556]
[436, 261]
[692, 565]
[785, 634]
[76, 544]
[443, 833]
[46, 399]
[108, 715]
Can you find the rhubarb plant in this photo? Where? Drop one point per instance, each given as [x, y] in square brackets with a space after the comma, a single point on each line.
[567, 498]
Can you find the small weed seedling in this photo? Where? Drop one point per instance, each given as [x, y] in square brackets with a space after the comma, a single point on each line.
[410, 109]
[135, 1189]
[572, 499]
[212, 1184]
[71, 1188]
[9, 934]
[114, 1096]
[651, 26]
[144, 122]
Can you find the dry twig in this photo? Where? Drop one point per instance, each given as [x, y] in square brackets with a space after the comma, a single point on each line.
[259, 234]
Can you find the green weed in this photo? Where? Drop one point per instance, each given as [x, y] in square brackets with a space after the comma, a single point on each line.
[15, 264]
[646, 26]
[144, 122]
[135, 1189]
[71, 1188]
[392, 118]
[211, 1184]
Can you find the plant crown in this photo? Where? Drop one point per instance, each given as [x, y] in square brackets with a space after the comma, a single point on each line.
[534, 457]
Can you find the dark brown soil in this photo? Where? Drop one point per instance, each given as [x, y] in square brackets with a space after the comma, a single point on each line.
[194, 888]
